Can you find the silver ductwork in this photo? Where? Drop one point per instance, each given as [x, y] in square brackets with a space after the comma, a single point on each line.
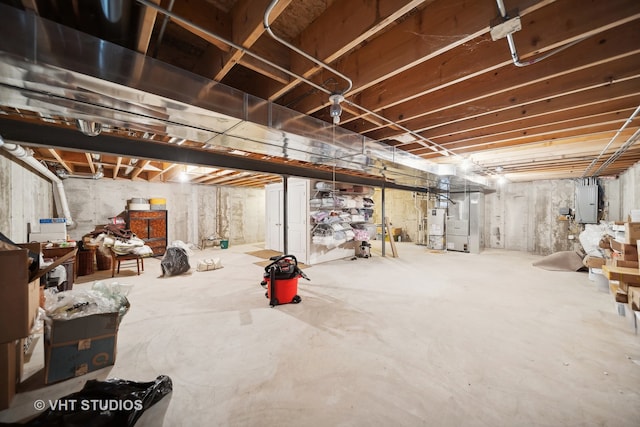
[36, 74]
[63, 174]
[26, 156]
[89, 128]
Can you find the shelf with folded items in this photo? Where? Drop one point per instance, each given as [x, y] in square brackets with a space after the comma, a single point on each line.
[332, 235]
[337, 220]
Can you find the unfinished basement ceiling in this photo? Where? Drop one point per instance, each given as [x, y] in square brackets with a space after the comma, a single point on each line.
[428, 89]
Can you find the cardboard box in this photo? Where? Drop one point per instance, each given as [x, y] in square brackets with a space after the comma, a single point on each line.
[631, 232]
[78, 346]
[14, 295]
[625, 251]
[20, 291]
[10, 371]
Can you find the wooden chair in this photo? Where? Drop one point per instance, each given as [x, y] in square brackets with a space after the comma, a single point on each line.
[116, 259]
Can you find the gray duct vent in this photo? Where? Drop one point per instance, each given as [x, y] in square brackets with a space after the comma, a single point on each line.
[587, 201]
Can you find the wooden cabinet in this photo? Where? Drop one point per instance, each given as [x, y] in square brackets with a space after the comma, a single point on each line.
[150, 226]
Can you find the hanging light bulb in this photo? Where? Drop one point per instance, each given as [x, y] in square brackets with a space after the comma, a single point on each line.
[335, 110]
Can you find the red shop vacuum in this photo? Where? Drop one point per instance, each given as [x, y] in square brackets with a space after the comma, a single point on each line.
[281, 280]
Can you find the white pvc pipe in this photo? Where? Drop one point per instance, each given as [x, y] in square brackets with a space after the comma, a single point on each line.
[19, 152]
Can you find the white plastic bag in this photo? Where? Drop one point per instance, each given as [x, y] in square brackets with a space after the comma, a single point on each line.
[209, 264]
[590, 239]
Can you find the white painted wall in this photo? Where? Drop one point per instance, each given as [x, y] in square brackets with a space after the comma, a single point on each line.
[26, 197]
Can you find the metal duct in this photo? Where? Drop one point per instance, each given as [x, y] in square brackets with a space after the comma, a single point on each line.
[24, 155]
[89, 128]
[37, 75]
[63, 174]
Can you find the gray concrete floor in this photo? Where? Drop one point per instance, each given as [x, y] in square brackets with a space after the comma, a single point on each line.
[446, 339]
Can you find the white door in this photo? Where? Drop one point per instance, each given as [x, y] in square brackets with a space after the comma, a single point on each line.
[274, 226]
[297, 218]
[515, 218]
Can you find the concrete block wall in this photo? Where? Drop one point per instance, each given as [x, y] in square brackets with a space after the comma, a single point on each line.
[26, 197]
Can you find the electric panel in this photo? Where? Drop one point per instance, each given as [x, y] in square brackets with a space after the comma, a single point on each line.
[587, 202]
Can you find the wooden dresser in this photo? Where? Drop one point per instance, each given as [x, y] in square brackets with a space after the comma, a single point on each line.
[150, 226]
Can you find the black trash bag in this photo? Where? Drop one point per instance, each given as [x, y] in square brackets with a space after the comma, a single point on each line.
[175, 261]
[110, 403]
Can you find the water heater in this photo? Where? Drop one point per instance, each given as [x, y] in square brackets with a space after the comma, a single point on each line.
[435, 228]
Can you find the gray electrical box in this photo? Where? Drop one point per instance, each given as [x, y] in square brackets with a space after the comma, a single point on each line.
[587, 202]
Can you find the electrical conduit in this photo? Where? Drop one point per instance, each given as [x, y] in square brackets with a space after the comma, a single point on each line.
[512, 44]
[265, 23]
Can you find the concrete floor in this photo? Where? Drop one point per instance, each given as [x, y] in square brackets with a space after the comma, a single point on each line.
[446, 339]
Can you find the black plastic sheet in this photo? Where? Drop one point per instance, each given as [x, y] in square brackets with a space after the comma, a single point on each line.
[110, 403]
[175, 261]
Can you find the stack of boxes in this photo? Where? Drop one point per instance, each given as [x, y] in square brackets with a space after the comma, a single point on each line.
[19, 302]
[623, 270]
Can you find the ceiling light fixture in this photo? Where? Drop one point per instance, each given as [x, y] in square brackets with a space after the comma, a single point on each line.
[335, 110]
